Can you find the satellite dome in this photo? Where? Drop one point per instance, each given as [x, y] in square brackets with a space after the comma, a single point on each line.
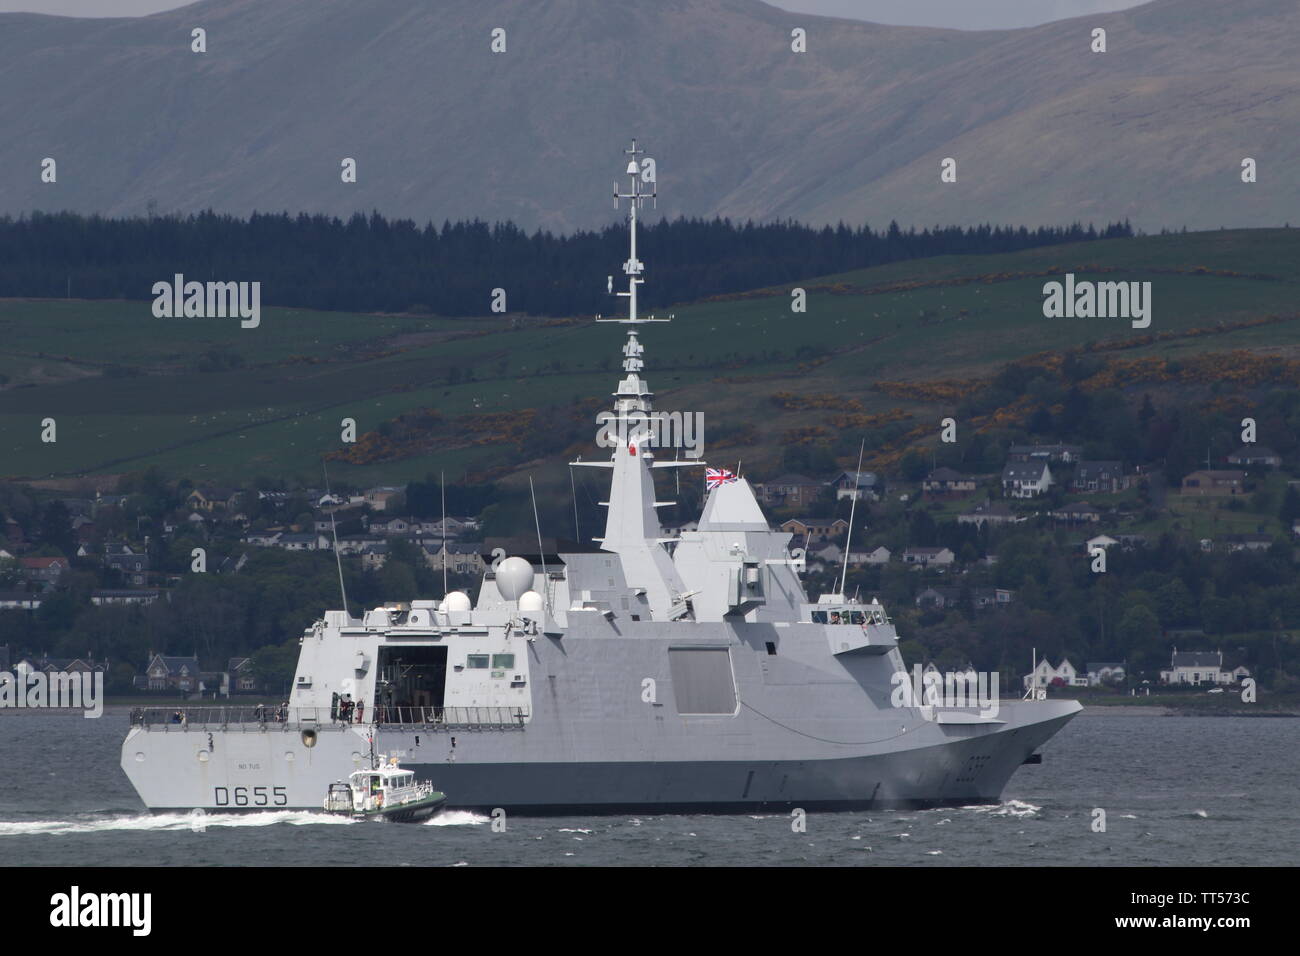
[530, 601]
[456, 601]
[514, 577]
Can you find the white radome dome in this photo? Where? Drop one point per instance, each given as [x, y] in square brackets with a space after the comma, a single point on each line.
[456, 601]
[530, 601]
[514, 577]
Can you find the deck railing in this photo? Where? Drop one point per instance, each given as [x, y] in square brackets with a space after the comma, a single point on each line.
[181, 719]
[437, 718]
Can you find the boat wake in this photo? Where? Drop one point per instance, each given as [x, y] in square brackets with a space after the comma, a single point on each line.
[1008, 808]
[456, 818]
[166, 821]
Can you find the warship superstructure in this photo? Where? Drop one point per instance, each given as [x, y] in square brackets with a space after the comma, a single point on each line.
[652, 674]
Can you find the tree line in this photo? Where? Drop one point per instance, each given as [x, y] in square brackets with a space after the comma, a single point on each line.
[371, 263]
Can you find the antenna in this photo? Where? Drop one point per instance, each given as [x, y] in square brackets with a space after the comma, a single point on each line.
[334, 531]
[541, 550]
[442, 489]
[573, 493]
[853, 508]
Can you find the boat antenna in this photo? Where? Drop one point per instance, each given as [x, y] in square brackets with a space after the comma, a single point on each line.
[442, 488]
[848, 540]
[541, 551]
[334, 532]
[573, 493]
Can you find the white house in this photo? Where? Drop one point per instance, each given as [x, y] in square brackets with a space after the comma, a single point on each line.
[1045, 673]
[1026, 479]
[1199, 667]
[1105, 672]
[880, 555]
[924, 557]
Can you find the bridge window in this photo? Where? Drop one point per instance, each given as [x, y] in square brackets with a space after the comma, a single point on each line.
[477, 661]
[503, 660]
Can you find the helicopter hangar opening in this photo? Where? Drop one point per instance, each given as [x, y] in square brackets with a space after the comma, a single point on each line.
[412, 676]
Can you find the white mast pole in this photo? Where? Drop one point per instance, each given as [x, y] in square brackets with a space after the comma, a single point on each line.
[853, 509]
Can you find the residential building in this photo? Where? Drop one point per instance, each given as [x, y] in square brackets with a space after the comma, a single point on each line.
[1077, 513]
[303, 541]
[789, 491]
[240, 679]
[1026, 479]
[1199, 667]
[43, 571]
[993, 513]
[862, 484]
[1214, 483]
[1062, 453]
[819, 528]
[1255, 456]
[1106, 477]
[946, 481]
[925, 557]
[172, 673]
[19, 601]
[456, 557]
[382, 497]
[1106, 672]
[1248, 542]
[879, 555]
[211, 499]
[133, 567]
[1045, 675]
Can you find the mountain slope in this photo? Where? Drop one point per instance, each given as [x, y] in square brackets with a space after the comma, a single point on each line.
[1043, 130]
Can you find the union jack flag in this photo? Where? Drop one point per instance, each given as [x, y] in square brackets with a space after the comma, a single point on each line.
[717, 476]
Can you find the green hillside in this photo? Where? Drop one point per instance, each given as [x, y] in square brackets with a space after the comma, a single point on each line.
[883, 353]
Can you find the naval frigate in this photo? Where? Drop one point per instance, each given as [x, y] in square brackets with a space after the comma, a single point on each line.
[651, 674]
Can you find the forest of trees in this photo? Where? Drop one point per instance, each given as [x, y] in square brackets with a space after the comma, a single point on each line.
[373, 264]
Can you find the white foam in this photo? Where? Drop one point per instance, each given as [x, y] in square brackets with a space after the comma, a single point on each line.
[1012, 808]
[168, 821]
[455, 818]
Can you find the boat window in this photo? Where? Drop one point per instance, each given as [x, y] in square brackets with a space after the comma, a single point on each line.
[857, 617]
[503, 660]
[477, 661]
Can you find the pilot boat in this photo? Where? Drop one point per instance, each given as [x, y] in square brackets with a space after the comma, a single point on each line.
[384, 792]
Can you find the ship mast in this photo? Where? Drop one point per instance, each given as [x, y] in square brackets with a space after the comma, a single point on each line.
[632, 528]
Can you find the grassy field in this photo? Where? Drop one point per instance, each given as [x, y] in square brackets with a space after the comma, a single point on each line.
[208, 399]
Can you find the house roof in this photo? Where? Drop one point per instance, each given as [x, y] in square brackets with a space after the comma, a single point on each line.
[1088, 469]
[1023, 470]
[946, 474]
[1196, 659]
[174, 664]
[865, 478]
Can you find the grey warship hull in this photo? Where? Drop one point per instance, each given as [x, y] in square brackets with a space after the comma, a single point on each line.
[820, 744]
[653, 674]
